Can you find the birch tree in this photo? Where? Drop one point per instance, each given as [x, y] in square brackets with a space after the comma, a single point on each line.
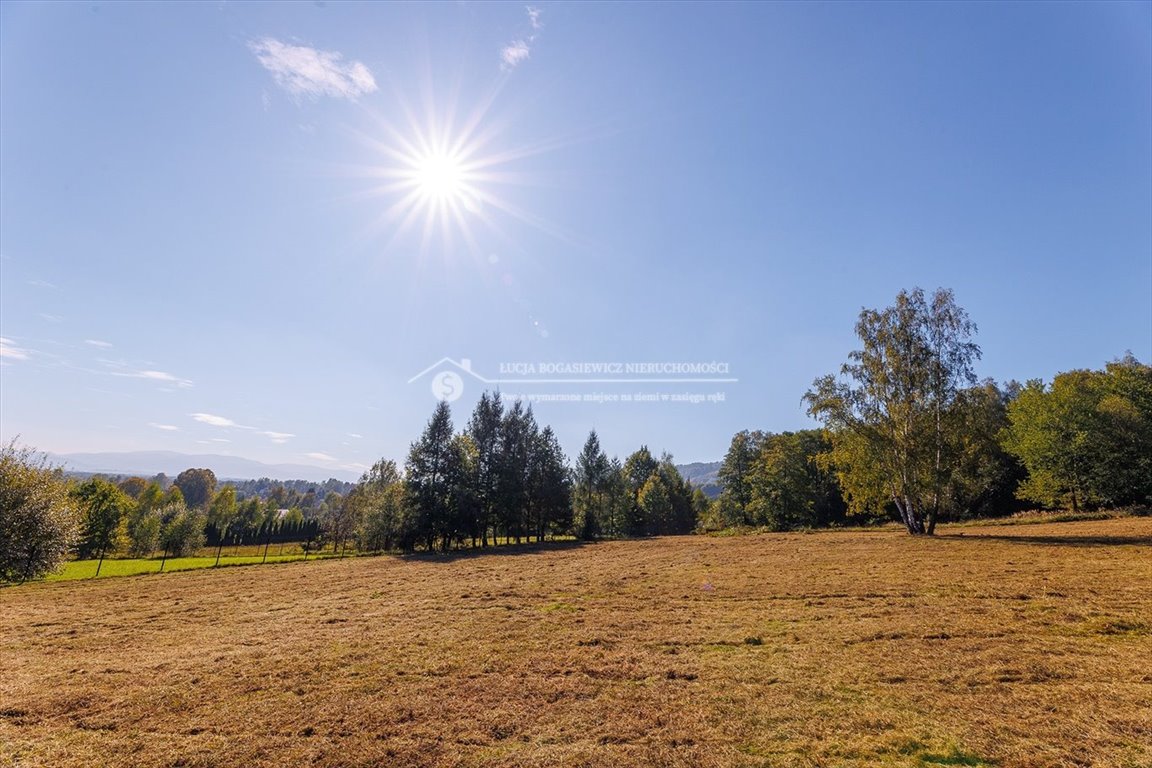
[890, 413]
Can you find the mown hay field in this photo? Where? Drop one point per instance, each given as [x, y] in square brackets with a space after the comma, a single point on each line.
[1010, 646]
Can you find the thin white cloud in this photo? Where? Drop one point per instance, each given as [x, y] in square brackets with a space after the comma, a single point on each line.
[165, 427]
[52, 318]
[10, 351]
[98, 343]
[353, 434]
[42, 284]
[513, 54]
[155, 376]
[213, 420]
[518, 51]
[219, 440]
[320, 456]
[304, 71]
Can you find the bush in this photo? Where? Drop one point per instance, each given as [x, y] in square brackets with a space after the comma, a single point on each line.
[183, 531]
[38, 522]
[143, 533]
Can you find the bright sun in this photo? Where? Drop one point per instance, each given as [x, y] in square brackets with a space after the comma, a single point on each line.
[444, 175]
[439, 177]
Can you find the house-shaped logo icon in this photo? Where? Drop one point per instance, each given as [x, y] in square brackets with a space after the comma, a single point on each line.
[447, 382]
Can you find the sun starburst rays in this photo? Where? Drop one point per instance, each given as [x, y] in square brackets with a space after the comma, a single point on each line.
[437, 181]
[448, 177]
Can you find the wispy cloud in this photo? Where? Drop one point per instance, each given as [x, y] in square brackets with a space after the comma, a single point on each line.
[304, 71]
[42, 284]
[518, 51]
[514, 53]
[213, 420]
[320, 456]
[154, 376]
[98, 343]
[52, 318]
[165, 427]
[9, 350]
[353, 434]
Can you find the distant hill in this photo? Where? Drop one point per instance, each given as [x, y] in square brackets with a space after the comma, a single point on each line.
[702, 474]
[147, 463]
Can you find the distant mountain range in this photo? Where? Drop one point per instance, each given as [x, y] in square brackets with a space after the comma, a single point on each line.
[703, 475]
[148, 463]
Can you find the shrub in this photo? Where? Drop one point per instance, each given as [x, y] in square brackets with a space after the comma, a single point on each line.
[38, 521]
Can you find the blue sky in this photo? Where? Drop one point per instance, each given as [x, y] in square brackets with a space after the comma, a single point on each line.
[242, 228]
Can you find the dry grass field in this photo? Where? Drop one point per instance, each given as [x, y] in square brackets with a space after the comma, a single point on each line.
[1010, 646]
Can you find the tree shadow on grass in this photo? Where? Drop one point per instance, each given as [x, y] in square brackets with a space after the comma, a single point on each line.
[1056, 541]
[501, 550]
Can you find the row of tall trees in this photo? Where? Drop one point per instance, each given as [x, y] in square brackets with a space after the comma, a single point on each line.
[502, 477]
[641, 497]
[505, 478]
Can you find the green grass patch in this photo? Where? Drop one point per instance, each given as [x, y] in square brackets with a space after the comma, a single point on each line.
[565, 607]
[86, 569]
[249, 554]
[954, 756]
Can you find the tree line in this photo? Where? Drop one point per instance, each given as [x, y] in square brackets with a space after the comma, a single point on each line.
[909, 433]
[46, 516]
[503, 478]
